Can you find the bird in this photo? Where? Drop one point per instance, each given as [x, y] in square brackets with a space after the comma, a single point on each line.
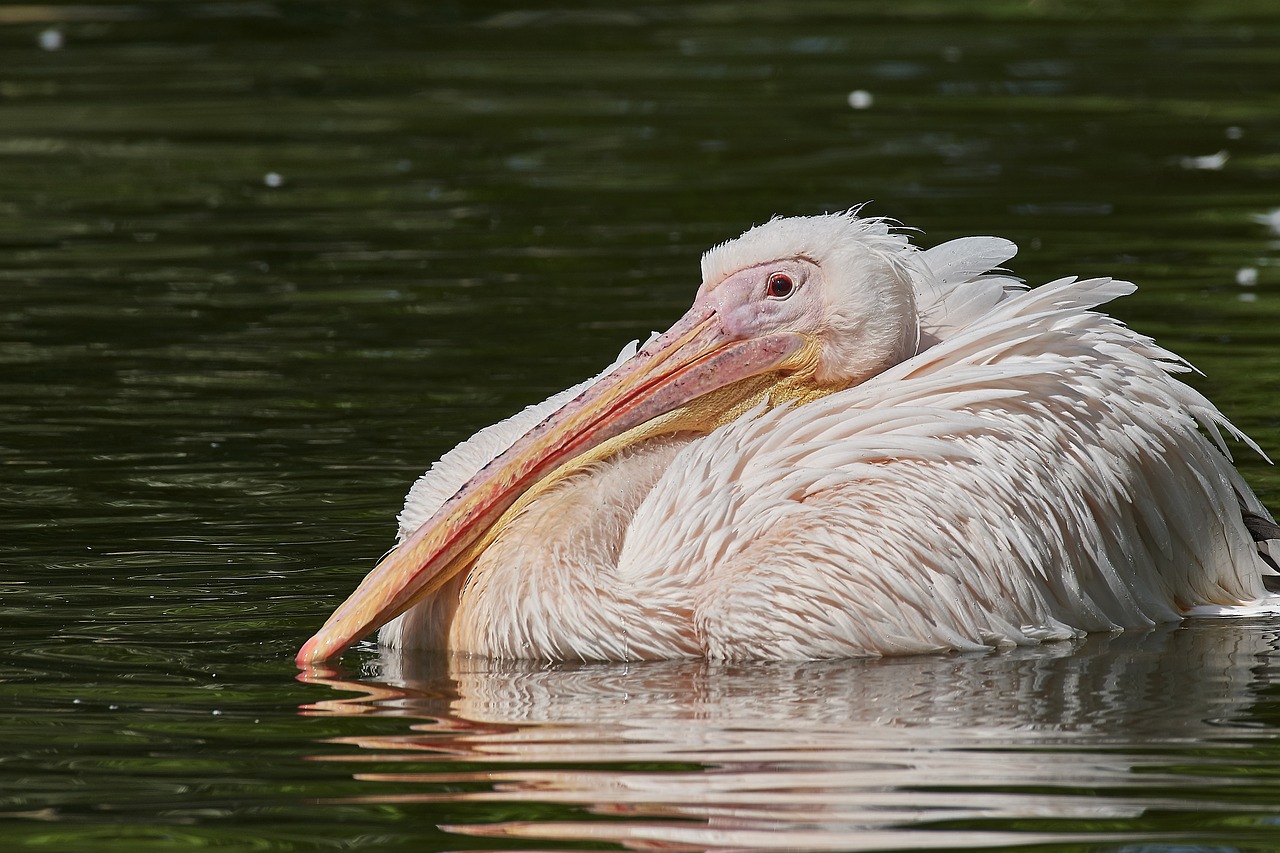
[848, 446]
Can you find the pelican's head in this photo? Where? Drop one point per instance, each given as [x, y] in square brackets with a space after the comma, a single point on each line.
[791, 310]
[842, 283]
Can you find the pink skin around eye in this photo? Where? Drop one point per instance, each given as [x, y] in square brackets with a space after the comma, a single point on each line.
[749, 302]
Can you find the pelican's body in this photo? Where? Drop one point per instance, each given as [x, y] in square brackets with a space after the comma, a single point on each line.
[926, 456]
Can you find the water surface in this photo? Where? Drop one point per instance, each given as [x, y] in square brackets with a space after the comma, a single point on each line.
[262, 262]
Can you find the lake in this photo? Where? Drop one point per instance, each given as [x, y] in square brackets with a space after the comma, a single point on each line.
[262, 262]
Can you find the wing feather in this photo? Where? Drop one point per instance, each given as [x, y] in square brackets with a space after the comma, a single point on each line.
[1039, 473]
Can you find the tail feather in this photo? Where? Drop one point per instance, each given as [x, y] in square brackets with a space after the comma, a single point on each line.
[1266, 534]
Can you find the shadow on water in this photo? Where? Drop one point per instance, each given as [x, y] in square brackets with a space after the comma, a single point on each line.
[1122, 738]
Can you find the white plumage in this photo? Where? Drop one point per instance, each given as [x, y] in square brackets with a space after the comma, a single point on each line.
[1009, 466]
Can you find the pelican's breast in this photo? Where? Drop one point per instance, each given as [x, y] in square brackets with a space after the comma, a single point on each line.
[548, 586]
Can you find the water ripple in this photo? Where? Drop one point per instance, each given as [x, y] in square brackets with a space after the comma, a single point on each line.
[855, 755]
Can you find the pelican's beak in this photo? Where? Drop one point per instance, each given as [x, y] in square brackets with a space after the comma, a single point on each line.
[666, 387]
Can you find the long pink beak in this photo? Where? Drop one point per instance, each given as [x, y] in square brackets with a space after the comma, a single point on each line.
[696, 356]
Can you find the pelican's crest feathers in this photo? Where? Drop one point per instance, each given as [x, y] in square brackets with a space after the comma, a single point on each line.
[817, 238]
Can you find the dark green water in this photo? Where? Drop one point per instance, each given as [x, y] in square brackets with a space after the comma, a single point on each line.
[262, 262]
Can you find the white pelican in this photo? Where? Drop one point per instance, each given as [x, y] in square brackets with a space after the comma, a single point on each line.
[848, 446]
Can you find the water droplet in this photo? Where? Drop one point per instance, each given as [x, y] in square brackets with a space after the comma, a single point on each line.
[1206, 162]
[861, 99]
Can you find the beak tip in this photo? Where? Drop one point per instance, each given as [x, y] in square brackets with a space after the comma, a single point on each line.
[313, 651]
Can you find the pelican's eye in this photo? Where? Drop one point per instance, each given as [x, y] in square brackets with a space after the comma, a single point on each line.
[781, 285]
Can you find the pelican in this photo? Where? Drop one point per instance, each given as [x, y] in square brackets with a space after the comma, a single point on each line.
[848, 446]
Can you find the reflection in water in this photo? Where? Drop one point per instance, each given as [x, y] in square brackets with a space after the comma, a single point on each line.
[1027, 746]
